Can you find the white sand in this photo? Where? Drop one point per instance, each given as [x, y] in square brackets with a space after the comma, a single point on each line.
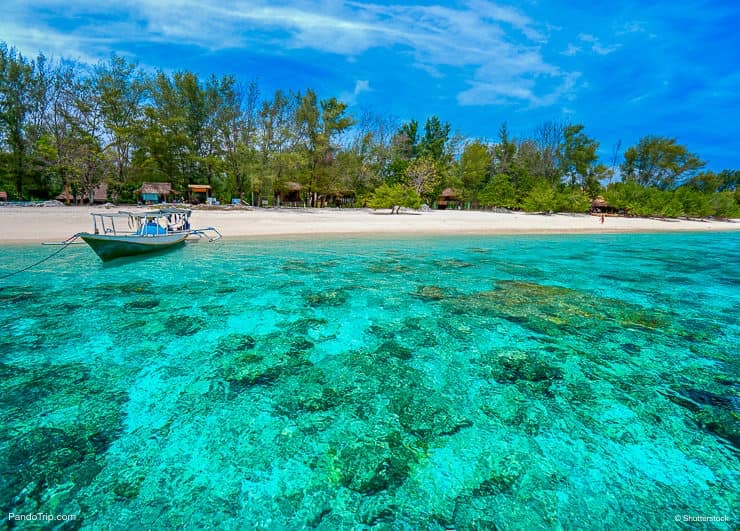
[37, 224]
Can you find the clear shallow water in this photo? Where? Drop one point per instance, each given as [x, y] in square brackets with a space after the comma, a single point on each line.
[516, 382]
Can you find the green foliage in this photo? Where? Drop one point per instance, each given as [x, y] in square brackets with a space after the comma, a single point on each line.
[434, 142]
[572, 199]
[407, 140]
[423, 175]
[394, 196]
[685, 201]
[540, 199]
[578, 155]
[499, 193]
[725, 204]
[525, 170]
[22, 101]
[659, 161]
[726, 180]
[317, 125]
[474, 165]
[624, 195]
[503, 152]
[592, 186]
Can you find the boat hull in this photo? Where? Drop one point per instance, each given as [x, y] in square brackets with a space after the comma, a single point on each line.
[109, 247]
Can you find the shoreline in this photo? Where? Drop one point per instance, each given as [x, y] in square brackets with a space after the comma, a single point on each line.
[26, 225]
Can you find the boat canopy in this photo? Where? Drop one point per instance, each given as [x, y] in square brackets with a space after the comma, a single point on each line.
[152, 223]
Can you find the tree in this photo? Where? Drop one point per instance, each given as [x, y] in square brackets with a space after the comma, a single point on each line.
[572, 199]
[725, 204]
[23, 98]
[578, 156]
[181, 137]
[726, 180]
[164, 145]
[423, 176]
[434, 142]
[403, 149]
[474, 165]
[276, 138]
[237, 123]
[90, 164]
[540, 199]
[523, 171]
[368, 156]
[659, 161]
[86, 160]
[549, 138]
[503, 153]
[318, 125]
[631, 197]
[394, 197]
[499, 192]
[120, 89]
[61, 123]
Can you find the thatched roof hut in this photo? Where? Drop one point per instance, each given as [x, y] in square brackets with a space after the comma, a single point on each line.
[154, 192]
[289, 192]
[602, 206]
[448, 199]
[291, 186]
[156, 188]
[599, 202]
[100, 195]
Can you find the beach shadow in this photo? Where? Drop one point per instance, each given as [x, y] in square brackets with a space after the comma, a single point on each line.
[376, 213]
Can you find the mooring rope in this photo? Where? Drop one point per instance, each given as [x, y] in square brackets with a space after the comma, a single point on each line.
[66, 243]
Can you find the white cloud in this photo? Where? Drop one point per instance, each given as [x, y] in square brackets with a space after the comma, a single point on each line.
[596, 45]
[571, 50]
[501, 92]
[634, 26]
[361, 85]
[495, 47]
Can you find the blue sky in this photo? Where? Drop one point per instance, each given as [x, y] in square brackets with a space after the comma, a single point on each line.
[623, 69]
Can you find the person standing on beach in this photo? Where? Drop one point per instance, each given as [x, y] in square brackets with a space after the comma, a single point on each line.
[602, 219]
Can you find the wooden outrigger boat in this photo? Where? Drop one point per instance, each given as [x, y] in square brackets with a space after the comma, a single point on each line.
[122, 234]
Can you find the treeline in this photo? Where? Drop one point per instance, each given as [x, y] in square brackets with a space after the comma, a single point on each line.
[66, 126]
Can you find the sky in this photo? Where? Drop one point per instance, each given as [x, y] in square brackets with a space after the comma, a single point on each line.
[623, 69]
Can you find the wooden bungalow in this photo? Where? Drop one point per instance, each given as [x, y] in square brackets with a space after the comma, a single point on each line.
[3, 197]
[155, 192]
[448, 199]
[289, 194]
[199, 193]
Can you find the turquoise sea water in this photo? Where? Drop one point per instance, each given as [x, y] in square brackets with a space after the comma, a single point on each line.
[470, 382]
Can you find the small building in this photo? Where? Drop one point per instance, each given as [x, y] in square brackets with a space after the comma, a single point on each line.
[100, 195]
[448, 199]
[601, 206]
[199, 193]
[155, 192]
[289, 194]
[3, 197]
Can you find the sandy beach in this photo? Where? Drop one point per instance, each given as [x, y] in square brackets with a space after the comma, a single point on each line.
[40, 224]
